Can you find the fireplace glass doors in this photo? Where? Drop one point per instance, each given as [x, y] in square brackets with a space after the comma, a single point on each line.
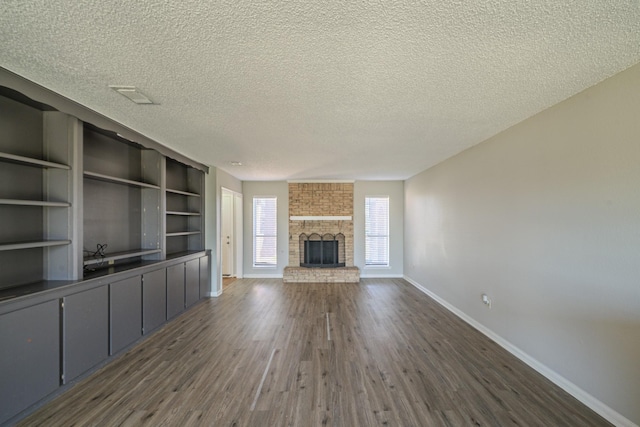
[326, 251]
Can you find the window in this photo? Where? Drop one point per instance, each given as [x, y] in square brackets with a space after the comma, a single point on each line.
[265, 233]
[376, 229]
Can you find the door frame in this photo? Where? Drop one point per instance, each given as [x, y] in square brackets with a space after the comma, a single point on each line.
[237, 226]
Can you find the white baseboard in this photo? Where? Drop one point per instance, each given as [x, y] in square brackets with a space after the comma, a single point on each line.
[381, 276]
[214, 294]
[263, 276]
[596, 405]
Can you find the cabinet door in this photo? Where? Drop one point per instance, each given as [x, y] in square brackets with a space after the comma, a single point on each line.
[192, 281]
[175, 290]
[86, 331]
[205, 284]
[126, 312]
[29, 356]
[154, 299]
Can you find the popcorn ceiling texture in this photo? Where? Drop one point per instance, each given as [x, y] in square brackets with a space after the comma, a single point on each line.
[333, 89]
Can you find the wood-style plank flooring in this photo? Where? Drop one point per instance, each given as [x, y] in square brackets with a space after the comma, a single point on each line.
[272, 354]
[227, 281]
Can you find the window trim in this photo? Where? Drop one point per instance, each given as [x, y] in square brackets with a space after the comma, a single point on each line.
[274, 264]
[387, 265]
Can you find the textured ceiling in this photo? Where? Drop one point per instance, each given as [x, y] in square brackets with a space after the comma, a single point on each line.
[334, 89]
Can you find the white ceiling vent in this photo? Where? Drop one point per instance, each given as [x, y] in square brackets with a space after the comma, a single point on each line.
[132, 93]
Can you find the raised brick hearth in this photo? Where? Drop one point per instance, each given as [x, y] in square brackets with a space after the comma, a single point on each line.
[320, 200]
[321, 275]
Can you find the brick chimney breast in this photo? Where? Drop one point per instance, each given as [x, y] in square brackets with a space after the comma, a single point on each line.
[319, 200]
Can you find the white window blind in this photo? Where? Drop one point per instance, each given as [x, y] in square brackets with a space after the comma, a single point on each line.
[265, 232]
[376, 225]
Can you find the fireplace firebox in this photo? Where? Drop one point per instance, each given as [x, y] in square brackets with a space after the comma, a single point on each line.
[326, 251]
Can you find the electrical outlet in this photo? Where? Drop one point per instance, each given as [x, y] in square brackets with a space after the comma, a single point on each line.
[486, 300]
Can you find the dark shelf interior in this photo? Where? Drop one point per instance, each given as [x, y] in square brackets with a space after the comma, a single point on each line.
[117, 268]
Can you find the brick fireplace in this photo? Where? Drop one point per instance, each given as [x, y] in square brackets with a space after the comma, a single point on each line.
[319, 211]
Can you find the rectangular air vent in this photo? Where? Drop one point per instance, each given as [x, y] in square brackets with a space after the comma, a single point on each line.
[132, 93]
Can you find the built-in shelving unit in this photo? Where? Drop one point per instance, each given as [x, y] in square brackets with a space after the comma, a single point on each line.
[184, 202]
[36, 147]
[122, 200]
[101, 241]
[76, 198]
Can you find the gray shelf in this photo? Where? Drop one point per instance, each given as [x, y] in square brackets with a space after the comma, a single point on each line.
[184, 193]
[113, 179]
[36, 244]
[182, 233]
[115, 256]
[184, 223]
[183, 213]
[31, 161]
[43, 203]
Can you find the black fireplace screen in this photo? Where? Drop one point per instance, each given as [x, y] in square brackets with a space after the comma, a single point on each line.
[326, 251]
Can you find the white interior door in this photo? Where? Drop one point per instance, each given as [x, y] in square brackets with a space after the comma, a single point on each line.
[227, 233]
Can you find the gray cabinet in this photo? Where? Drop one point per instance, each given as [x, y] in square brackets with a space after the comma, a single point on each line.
[192, 282]
[125, 305]
[205, 284]
[154, 299]
[85, 331]
[175, 290]
[69, 333]
[29, 356]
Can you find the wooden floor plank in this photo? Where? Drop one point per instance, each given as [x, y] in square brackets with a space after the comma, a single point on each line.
[395, 358]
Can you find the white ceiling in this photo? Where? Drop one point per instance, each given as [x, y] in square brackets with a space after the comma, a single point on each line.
[312, 90]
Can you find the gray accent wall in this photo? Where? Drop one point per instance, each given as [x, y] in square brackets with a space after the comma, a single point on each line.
[545, 219]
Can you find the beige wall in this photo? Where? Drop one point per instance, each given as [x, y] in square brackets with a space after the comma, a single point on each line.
[279, 189]
[214, 181]
[394, 190]
[545, 219]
